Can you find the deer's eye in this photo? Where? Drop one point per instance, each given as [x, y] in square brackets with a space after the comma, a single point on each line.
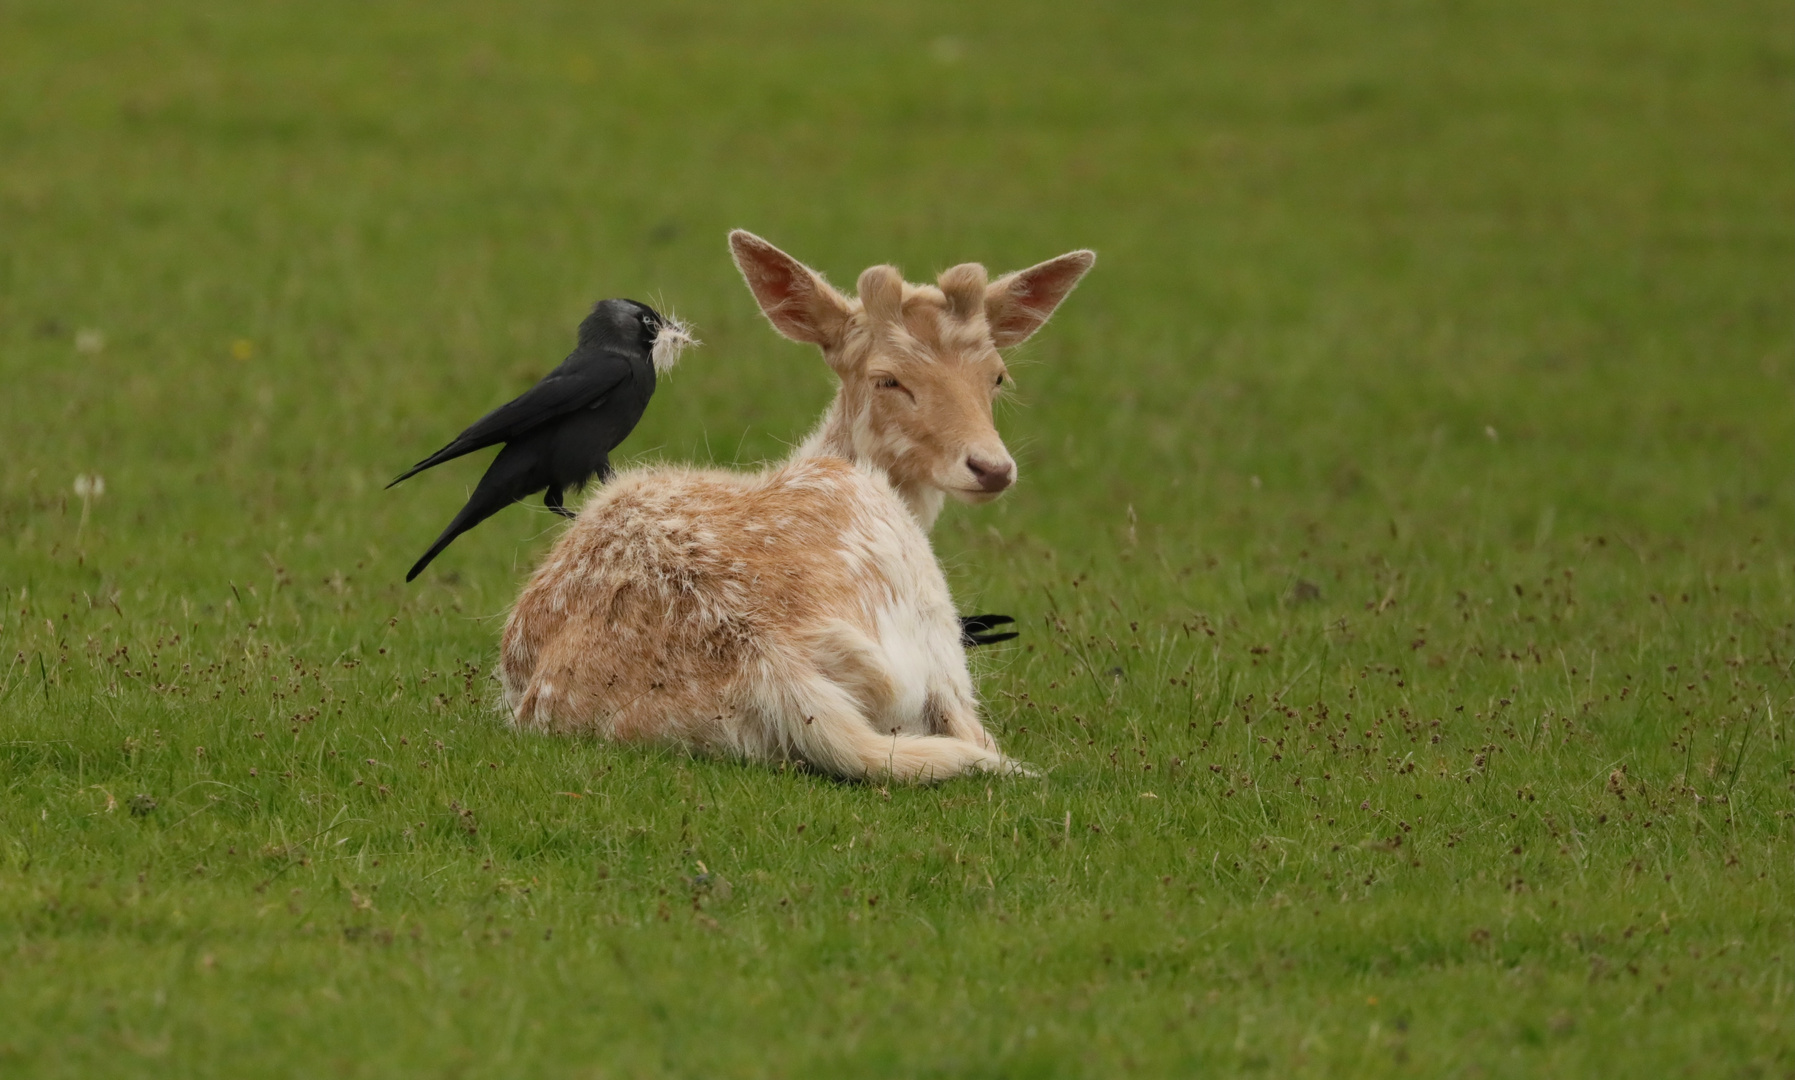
[886, 382]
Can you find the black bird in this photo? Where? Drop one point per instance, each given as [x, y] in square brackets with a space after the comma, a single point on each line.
[562, 430]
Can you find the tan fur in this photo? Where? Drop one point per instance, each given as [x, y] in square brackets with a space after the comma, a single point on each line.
[797, 613]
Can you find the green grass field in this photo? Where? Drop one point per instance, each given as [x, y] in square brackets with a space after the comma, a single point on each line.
[1403, 554]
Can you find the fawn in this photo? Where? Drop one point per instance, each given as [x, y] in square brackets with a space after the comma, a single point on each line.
[798, 613]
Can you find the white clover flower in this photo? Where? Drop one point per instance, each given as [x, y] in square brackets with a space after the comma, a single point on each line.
[87, 489]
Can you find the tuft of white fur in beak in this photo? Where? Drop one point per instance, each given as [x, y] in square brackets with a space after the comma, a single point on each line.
[673, 339]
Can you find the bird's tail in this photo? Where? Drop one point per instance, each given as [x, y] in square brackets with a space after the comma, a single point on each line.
[506, 481]
[476, 511]
[456, 528]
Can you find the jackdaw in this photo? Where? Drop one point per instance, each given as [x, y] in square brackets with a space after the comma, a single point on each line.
[561, 431]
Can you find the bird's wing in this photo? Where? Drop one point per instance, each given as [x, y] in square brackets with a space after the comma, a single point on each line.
[578, 383]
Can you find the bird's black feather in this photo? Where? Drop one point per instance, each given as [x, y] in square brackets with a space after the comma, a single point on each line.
[560, 392]
[978, 630]
[560, 432]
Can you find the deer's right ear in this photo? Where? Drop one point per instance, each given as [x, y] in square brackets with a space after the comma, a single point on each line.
[795, 298]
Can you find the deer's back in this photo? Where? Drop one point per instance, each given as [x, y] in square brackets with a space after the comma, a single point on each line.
[673, 584]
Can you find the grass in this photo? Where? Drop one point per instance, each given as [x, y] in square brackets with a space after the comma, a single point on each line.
[1402, 555]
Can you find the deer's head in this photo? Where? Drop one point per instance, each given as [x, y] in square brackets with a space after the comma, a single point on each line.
[919, 364]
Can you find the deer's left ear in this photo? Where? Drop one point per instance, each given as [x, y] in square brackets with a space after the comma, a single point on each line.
[1016, 305]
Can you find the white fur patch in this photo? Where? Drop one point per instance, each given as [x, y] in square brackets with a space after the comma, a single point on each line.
[673, 339]
[905, 653]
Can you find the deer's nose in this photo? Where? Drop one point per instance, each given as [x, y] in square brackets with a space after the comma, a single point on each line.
[992, 475]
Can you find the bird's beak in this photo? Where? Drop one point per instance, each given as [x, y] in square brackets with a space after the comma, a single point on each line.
[672, 340]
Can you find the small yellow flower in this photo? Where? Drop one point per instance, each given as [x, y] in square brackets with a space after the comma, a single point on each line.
[243, 349]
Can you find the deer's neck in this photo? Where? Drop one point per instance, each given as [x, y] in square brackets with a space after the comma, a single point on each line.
[835, 437]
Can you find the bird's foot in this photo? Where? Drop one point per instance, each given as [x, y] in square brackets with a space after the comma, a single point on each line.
[552, 499]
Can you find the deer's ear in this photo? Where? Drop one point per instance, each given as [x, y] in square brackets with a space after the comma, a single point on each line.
[795, 298]
[1016, 305]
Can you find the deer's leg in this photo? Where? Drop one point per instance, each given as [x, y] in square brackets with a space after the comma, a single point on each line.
[954, 715]
[561, 691]
[818, 721]
[834, 709]
[950, 708]
[528, 626]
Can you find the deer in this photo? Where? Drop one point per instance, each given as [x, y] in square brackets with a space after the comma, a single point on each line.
[797, 614]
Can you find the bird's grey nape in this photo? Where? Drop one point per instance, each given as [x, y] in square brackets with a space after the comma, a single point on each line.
[673, 339]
